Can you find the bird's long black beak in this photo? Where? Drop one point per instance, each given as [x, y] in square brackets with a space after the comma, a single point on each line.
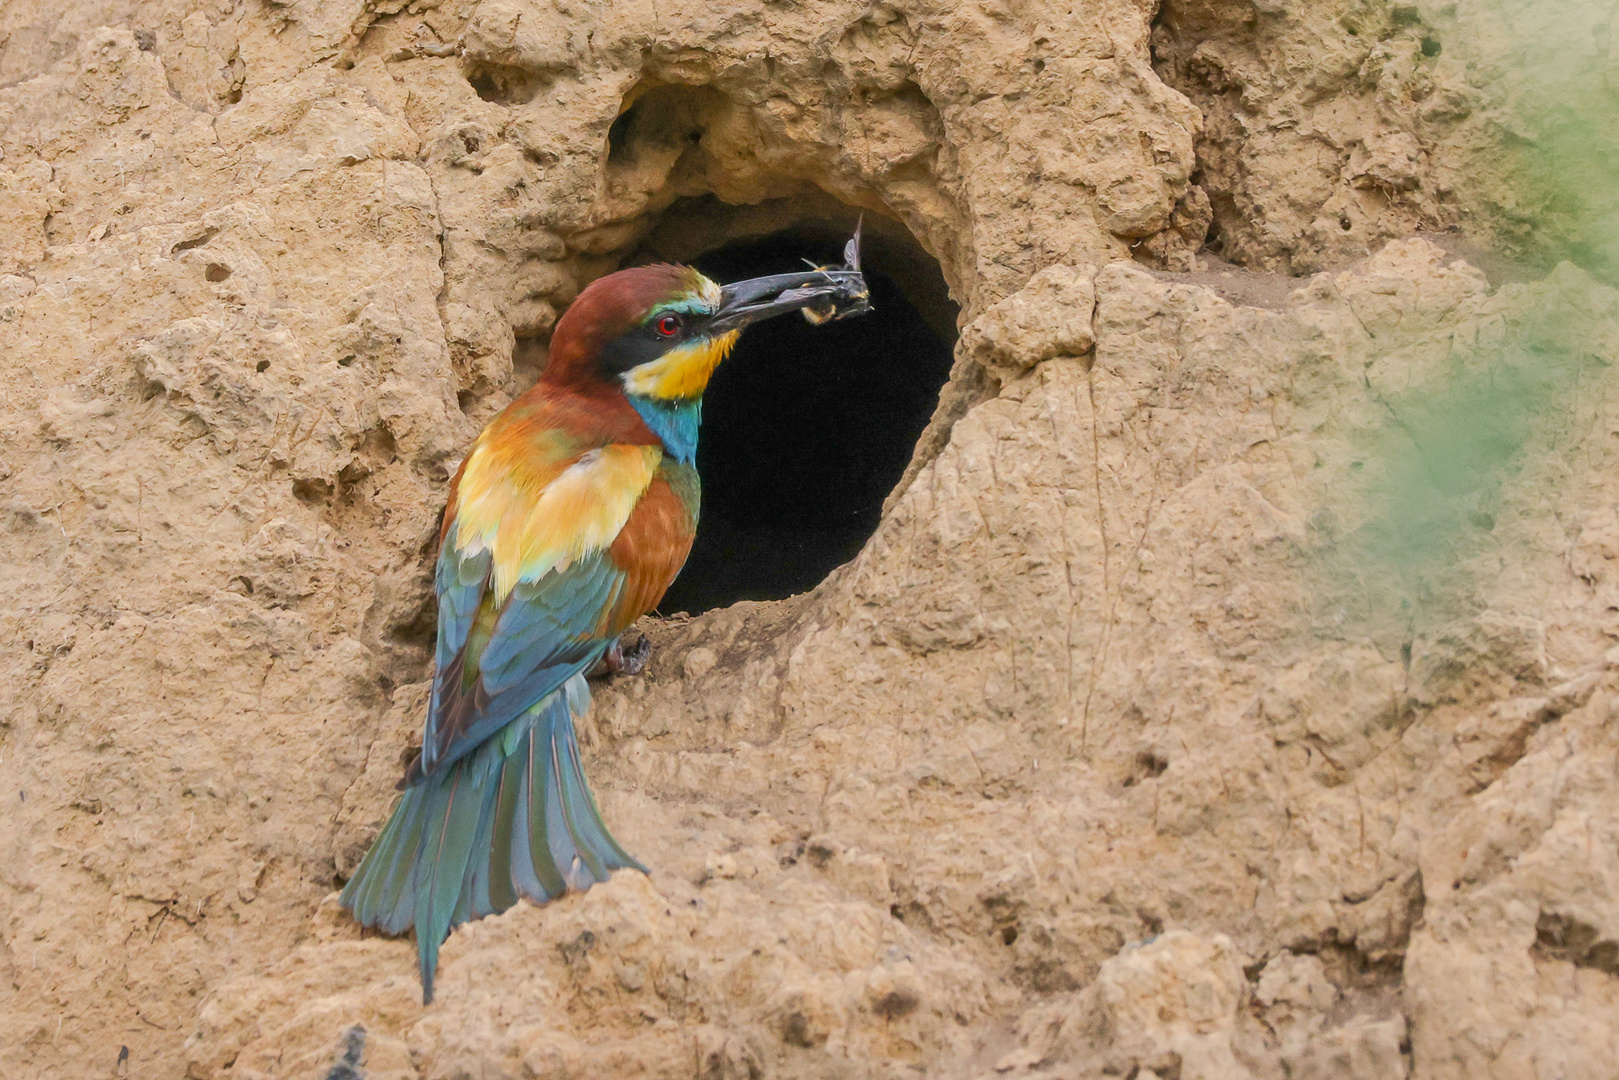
[822, 294]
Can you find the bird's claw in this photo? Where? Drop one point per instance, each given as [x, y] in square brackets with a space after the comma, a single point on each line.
[631, 661]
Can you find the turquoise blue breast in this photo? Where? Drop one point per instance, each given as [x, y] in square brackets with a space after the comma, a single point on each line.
[675, 424]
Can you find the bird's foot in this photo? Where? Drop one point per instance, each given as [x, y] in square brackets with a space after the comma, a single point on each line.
[630, 661]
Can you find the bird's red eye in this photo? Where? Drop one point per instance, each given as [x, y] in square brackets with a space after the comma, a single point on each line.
[668, 326]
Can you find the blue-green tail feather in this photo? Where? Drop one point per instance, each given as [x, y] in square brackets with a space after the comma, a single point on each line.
[513, 818]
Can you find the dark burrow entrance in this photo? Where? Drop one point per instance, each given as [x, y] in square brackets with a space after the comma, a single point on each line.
[806, 429]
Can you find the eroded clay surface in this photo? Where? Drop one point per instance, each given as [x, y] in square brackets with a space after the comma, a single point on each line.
[1226, 692]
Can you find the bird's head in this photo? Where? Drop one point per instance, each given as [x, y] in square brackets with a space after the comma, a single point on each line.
[658, 332]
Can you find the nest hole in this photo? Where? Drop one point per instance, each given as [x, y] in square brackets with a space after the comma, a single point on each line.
[806, 429]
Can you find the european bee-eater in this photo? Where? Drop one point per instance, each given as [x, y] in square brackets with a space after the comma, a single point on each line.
[571, 515]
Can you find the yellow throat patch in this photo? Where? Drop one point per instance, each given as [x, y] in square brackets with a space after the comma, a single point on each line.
[682, 373]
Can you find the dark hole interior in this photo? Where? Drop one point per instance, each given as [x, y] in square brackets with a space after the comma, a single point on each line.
[806, 429]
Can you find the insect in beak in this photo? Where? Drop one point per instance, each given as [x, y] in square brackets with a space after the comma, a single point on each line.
[822, 294]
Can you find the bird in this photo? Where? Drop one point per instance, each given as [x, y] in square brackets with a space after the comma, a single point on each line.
[569, 517]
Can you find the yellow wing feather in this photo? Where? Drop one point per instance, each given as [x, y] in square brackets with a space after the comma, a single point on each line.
[578, 508]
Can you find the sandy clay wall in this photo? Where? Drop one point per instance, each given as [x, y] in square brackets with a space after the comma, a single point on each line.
[1227, 692]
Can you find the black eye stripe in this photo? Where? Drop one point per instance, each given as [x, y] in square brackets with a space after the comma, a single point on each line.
[631, 349]
[643, 343]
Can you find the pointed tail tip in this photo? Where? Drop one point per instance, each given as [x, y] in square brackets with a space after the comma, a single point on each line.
[427, 965]
[427, 973]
